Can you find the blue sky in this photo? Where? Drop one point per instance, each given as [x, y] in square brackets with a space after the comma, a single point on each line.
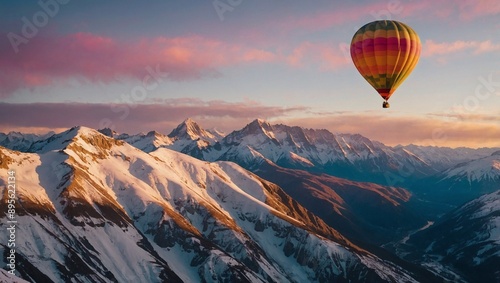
[285, 62]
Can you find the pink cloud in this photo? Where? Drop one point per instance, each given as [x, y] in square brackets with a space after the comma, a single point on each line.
[470, 9]
[432, 48]
[444, 9]
[47, 61]
[465, 10]
[50, 60]
[258, 55]
[393, 10]
[328, 57]
[44, 61]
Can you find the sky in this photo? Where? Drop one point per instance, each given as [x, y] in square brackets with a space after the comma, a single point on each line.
[137, 66]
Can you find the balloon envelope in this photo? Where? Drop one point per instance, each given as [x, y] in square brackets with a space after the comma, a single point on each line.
[385, 53]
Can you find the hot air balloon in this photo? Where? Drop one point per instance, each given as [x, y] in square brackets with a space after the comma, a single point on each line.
[385, 53]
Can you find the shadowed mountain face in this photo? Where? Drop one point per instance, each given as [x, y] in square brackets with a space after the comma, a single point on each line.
[466, 181]
[465, 242]
[98, 209]
[365, 212]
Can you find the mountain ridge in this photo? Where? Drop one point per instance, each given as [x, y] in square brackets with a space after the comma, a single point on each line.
[105, 209]
[465, 241]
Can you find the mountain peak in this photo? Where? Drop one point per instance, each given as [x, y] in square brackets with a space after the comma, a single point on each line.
[258, 125]
[485, 168]
[261, 122]
[189, 120]
[108, 132]
[82, 130]
[190, 130]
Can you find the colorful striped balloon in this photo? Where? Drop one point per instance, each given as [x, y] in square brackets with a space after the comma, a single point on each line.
[385, 53]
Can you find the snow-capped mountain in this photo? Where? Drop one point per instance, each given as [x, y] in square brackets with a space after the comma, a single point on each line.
[443, 158]
[465, 242]
[21, 142]
[349, 156]
[148, 142]
[466, 180]
[191, 139]
[96, 209]
[482, 169]
[190, 130]
[187, 138]
[297, 147]
[343, 155]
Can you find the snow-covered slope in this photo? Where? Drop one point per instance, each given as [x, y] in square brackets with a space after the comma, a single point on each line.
[146, 142]
[443, 158]
[463, 182]
[9, 278]
[465, 242]
[95, 209]
[482, 169]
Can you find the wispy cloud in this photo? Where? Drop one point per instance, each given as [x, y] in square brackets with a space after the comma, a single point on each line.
[406, 129]
[462, 115]
[432, 48]
[451, 10]
[161, 116]
[335, 15]
[437, 129]
[436, 10]
[470, 9]
[326, 56]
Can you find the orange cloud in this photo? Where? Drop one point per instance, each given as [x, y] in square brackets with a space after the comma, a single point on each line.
[406, 129]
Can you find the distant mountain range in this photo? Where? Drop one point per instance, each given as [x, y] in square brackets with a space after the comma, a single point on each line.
[465, 181]
[311, 200]
[351, 156]
[95, 209]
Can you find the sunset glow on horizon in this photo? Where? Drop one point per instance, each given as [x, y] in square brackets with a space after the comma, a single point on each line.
[137, 67]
